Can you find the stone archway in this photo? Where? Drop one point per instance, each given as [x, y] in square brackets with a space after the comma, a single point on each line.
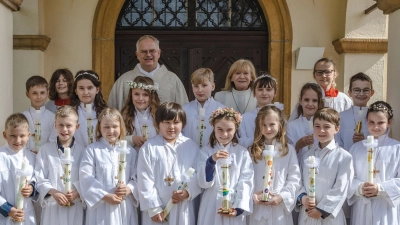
[280, 54]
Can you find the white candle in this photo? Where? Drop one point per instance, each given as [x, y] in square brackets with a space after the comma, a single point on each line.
[38, 131]
[269, 157]
[22, 184]
[225, 187]
[370, 159]
[90, 129]
[182, 185]
[311, 131]
[311, 174]
[88, 108]
[201, 127]
[145, 129]
[67, 170]
[122, 163]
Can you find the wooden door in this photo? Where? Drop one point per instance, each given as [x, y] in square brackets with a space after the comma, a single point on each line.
[185, 51]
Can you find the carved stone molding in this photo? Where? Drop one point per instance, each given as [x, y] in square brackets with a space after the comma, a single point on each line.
[388, 6]
[31, 42]
[12, 4]
[360, 45]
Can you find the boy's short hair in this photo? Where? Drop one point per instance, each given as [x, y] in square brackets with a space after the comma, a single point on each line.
[16, 120]
[202, 74]
[67, 110]
[36, 81]
[328, 114]
[170, 111]
[360, 76]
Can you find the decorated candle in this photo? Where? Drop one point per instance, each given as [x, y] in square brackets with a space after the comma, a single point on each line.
[22, 184]
[311, 179]
[225, 185]
[145, 129]
[370, 159]
[122, 162]
[67, 170]
[38, 130]
[201, 127]
[268, 153]
[90, 129]
[182, 185]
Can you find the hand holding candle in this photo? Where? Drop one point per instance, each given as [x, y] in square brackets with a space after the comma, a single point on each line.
[268, 153]
[67, 161]
[226, 208]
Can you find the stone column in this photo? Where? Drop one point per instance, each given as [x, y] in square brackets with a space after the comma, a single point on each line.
[391, 7]
[6, 60]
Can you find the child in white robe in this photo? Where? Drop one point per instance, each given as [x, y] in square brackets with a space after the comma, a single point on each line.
[139, 111]
[376, 202]
[163, 163]
[325, 74]
[200, 109]
[285, 175]
[60, 88]
[49, 171]
[360, 90]
[41, 120]
[224, 146]
[333, 177]
[264, 89]
[16, 161]
[300, 132]
[109, 200]
[88, 100]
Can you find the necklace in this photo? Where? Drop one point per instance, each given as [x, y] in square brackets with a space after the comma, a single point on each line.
[375, 171]
[169, 178]
[237, 104]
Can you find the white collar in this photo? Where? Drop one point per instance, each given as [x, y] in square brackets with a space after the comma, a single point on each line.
[149, 74]
[105, 142]
[331, 146]
[178, 141]
[248, 90]
[33, 110]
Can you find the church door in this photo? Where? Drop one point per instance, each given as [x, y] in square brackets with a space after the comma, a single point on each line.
[194, 34]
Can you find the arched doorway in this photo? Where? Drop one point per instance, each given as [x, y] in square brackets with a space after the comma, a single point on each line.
[279, 58]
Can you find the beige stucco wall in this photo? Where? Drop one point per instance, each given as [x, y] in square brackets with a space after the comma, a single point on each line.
[364, 26]
[315, 24]
[6, 65]
[27, 21]
[69, 25]
[393, 89]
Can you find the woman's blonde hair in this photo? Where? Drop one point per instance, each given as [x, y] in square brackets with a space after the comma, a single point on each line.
[240, 65]
[257, 148]
[114, 114]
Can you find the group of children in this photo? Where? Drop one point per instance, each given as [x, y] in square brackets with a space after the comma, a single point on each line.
[200, 163]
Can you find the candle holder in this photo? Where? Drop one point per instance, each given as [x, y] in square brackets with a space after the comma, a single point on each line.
[225, 165]
[123, 150]
[66, 178]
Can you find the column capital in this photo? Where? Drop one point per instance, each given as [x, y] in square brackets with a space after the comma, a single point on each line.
[388, 6]
[12, 4]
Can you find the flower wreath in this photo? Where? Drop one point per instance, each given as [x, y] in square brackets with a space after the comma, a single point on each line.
[148, 87]
[228, 112]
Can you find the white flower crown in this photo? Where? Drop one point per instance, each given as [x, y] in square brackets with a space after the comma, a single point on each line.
[264, 76]
[148, 87]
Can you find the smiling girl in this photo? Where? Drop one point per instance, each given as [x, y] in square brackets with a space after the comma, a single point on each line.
[139, 111]
[107, 202]
[224, 145]
[88, 100]
[376, 202]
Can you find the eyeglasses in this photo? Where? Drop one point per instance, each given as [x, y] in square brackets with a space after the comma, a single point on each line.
[358, 91]
[151, 51]
[322, 72]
